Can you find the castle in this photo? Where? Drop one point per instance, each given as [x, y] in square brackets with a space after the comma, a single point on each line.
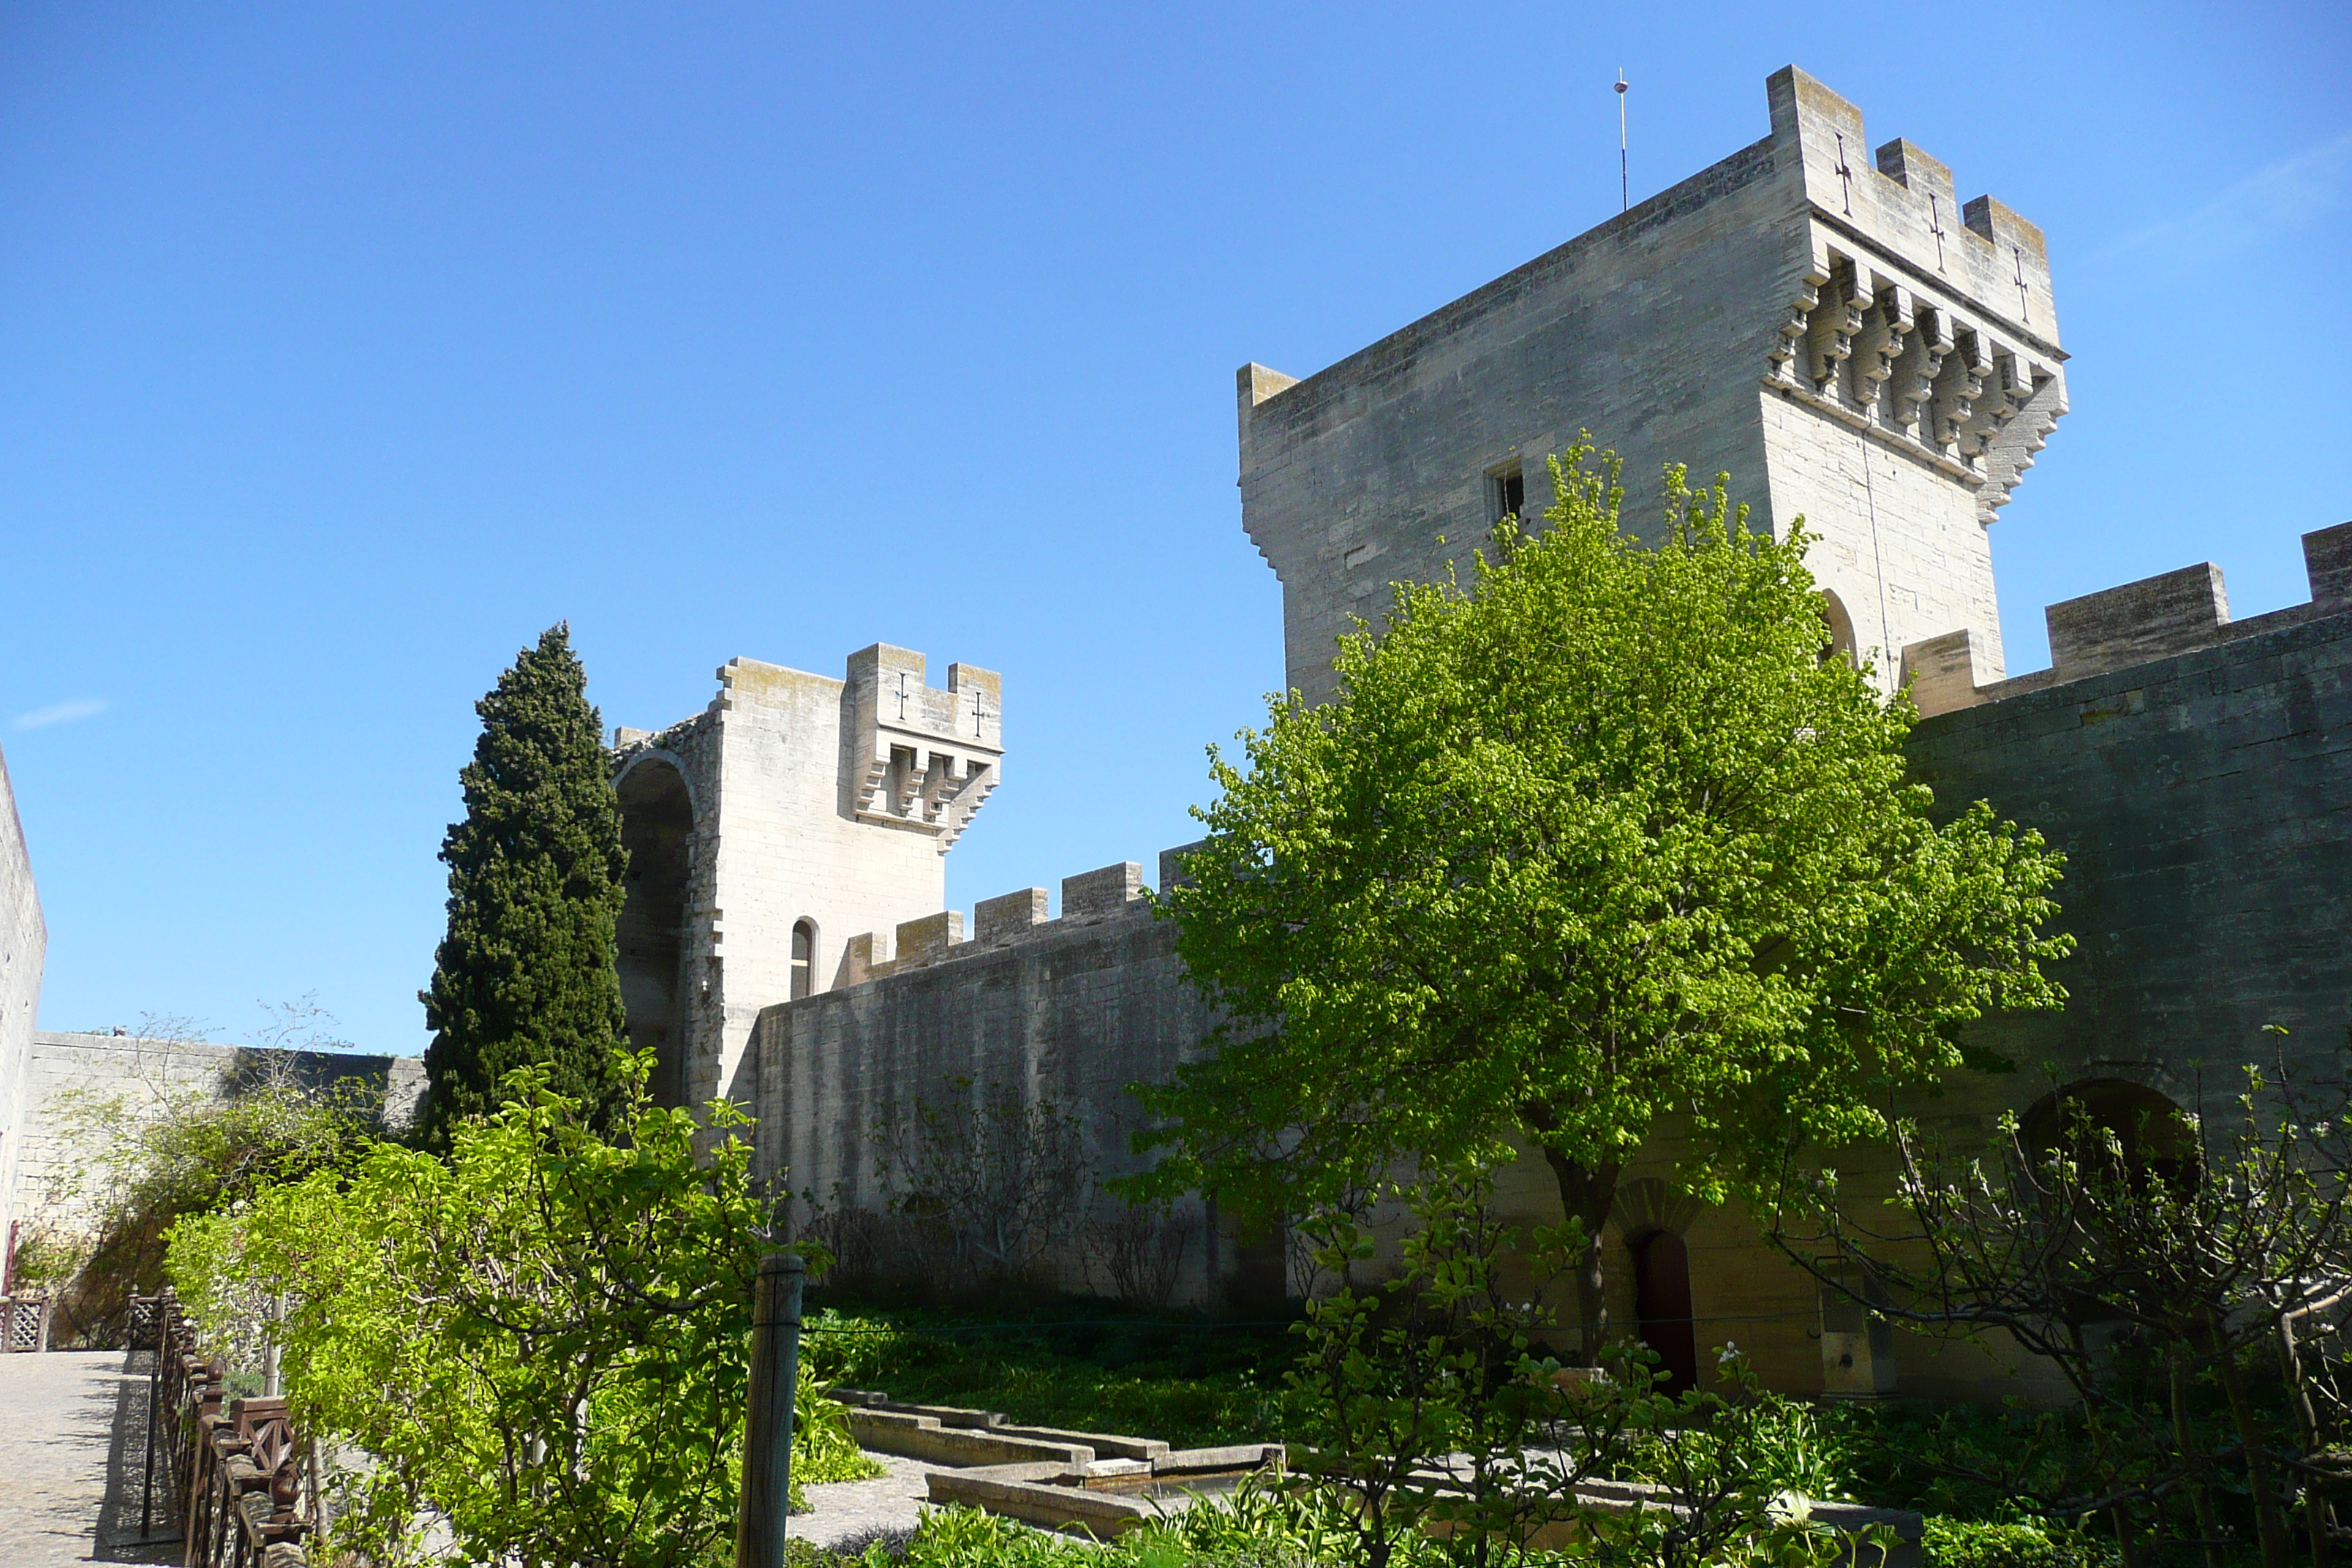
[1856, 346]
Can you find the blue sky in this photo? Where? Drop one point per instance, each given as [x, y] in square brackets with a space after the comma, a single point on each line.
[343, 348]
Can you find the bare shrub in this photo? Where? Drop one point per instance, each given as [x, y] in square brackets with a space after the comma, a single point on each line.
[1135, 1252]
[992, 1183]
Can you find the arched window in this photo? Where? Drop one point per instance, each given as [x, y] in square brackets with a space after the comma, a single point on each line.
[1837, 638]
[1662, 1305]
[804, 958]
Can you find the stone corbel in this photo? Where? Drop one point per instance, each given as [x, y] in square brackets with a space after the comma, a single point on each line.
[1878, 348]
[2010, 384]
[1829, 342]
[1915, 373]
[1957, 386]
[1792, 326]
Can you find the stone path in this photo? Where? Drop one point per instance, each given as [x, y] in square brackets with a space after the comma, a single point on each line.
[72, 1438]
[850, 1513]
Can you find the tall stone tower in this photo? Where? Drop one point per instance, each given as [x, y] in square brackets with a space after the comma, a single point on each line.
[792, 814]
[1845, 338]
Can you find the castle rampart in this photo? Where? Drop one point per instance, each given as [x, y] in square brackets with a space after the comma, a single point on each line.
[2173, 612]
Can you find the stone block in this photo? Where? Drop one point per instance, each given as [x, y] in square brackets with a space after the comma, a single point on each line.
[2328, 562]
[1093, 894]
[1172, 874]
[1009, 917]
[2156, 617]
[1942, 672]
[926, 941]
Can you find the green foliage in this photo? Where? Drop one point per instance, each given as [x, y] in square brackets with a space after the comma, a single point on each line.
[2183, 1275]
[540, 1342]
[1598, 838]
[1961, 1544]
[526, 973]
[1196, 1385]
[163, 1148]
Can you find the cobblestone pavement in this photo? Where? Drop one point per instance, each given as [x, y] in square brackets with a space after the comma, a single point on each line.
[71, 1443]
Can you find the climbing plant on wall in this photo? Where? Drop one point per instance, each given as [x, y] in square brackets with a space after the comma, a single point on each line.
[1599, 838]
[526, 973]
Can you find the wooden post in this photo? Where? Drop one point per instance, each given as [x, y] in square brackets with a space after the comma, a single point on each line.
[768, 1423]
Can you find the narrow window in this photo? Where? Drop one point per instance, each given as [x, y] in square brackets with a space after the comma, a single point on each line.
[804, 958]
[1506, 492]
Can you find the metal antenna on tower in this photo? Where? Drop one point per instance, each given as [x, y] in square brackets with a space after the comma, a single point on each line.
[1624, 181]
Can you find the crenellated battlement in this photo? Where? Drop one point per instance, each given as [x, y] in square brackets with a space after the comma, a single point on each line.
[2136, 623]
[925, 758]
[1923, 322]
[1089, 899]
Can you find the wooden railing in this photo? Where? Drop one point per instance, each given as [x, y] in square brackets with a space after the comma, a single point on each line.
[232, 1473]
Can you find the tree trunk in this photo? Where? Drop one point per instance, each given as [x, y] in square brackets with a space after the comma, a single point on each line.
[2269, 1521]
[1587, 1195]
[2200, 1490]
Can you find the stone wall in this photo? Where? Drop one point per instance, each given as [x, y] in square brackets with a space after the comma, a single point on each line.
[2204, 804]
[23, 943]
[84, 1092]
[1067, 1011]
[1849, 342]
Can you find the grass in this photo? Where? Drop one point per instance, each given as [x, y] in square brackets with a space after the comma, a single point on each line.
[1193, 1383]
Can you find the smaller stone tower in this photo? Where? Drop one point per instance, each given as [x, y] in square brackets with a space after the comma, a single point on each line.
[794, 812]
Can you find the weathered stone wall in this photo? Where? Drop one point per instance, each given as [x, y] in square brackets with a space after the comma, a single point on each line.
[2204, 804]
[83, 1092]
[1068, 1012]
[23, 943]
[1850, 342]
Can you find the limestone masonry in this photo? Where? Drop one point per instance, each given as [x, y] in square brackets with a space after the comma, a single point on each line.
[23, 942]
[771, 834]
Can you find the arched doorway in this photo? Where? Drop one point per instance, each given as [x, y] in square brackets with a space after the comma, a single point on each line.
[658, 831]
[1662, 1305]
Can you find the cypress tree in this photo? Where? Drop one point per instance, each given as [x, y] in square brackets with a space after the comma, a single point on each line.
[527, 970]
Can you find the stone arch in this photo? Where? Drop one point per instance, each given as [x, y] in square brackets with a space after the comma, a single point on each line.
[1647, 1204]
[2151, 1129]
[658, 823]
[1838, 642]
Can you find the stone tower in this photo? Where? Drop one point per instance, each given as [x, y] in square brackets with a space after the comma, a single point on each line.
[794, 812]
[1846, 339]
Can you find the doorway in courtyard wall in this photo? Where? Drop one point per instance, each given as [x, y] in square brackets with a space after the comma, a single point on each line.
[1662, 1305]
[658, 831]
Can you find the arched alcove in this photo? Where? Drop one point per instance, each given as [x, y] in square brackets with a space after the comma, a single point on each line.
[658, 831]
[2152, 1132]
[1837, 640]
[1662, 1305]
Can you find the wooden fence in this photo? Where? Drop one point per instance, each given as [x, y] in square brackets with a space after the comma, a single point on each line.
[232, 1473]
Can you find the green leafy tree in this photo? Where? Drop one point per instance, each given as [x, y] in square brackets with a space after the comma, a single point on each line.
[526, 973]
[540, 1343]
[1603, 839]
